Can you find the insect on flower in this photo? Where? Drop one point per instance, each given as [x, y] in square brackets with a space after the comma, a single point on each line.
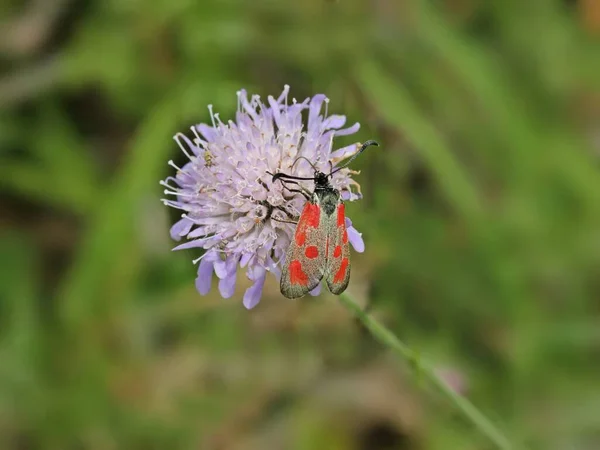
[231, 210]
[320, 247]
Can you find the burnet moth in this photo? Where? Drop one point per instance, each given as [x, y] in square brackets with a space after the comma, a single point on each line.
[320, 245]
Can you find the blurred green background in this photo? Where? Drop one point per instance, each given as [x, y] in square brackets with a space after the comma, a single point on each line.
[481, 218]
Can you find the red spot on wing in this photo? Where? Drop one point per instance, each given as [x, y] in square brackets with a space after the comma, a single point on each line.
[309, 218]
[297, 275]
[311, 252]
[345, 236]
[300, 236]
[337, 252]
[312, 214]
[341, 216]
[341, 273]
[327, 247]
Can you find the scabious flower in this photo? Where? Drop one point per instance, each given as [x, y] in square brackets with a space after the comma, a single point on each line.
[231, 208]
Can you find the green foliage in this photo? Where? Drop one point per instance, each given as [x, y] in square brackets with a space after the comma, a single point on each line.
[481, 218]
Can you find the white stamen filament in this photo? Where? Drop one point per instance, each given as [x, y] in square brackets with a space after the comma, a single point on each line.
[173, 165]
[182, 147]
[239, 101]
[173, 204]
[180, 194]
[167, 185]
[198, 140]
[212, 116]
[197, 260]
[286, 90]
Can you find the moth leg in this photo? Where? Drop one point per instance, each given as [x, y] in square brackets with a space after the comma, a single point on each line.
[287, 213]
[307, 194]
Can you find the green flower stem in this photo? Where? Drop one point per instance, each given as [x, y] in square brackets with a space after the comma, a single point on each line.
[387, 338]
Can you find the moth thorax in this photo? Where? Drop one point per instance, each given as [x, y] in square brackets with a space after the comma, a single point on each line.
[328, 200]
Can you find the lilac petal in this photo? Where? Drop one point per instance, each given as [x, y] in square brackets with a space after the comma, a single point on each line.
[221, 268]
[184, 178]
[246, 257]
[192, 244]
[255, 271]
[343, 152]
[199, 232]
[232, 263]
[181, 228]
[260, 195]
[207, 220]
[247, 106]
[334, 121]
[273, 268]
[206, 131]
[315, 109]
[316, 291]
[227, 285]
[254, 292]
[356, 240]
[224, 268]
[275, 110]
[350, 130]
[205, 271]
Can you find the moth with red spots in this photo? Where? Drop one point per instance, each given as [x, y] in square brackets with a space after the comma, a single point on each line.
[320, 246]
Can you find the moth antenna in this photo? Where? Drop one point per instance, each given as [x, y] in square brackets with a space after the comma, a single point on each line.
[362, 149]
[279, 175]
[307, 160]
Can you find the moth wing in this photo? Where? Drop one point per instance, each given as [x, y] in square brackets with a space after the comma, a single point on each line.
[305, 259]
[337, 268]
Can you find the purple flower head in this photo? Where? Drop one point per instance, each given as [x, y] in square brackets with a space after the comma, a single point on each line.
[231, 208]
